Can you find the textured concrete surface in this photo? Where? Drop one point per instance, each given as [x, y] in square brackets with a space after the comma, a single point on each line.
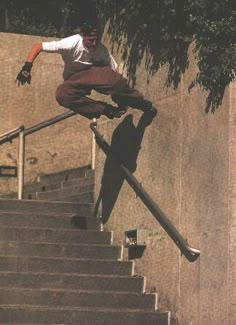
[64, 145]
[186, 161]
[44, 268]
[232, 207]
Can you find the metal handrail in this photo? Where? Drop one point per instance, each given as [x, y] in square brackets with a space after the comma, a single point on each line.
[14, 133]
[22, 136]
[48, 122]
[22, 132]
[189, 252]
[10, 135]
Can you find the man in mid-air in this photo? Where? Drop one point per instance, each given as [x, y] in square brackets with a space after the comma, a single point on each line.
[88, 65]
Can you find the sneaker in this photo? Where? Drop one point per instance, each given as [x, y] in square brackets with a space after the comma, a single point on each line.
[113, 112]
[143, 105]
[148, 108]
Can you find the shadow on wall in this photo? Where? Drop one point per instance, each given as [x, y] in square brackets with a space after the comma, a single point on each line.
[125, 145]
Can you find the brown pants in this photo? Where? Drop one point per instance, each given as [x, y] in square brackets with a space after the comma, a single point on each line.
[73, 92]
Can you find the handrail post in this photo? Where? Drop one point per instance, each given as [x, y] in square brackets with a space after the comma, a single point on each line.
[10, 135]
[93, 153]
[21, 165]
[21, 132]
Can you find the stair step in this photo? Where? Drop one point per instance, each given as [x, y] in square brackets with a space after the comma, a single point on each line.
[36, 206]
[101, 252]
[76, 298]
[32, 234]
[88, 179]
[64, 175]
[83, 197]
[63, 221]
[72, 281]
[61, 193]
[83, 183]
[32, 315]
[57, 268]
[65, 265]
[85, 180]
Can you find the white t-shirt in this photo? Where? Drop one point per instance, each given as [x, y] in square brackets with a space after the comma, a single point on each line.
[77, 57]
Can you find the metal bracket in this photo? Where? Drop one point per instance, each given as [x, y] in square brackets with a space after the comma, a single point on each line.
[8, 171]
[135, 237]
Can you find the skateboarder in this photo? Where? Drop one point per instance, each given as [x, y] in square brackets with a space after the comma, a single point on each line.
[88, 65]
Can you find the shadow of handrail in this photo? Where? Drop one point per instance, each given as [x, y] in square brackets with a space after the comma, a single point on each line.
[189, 252]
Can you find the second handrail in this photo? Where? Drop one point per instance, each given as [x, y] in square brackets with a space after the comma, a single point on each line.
[189, 252]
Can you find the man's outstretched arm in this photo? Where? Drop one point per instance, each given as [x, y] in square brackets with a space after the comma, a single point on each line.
[24, 75]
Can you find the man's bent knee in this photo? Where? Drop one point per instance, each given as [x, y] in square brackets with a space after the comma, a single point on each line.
[119, 85]
[61, 96]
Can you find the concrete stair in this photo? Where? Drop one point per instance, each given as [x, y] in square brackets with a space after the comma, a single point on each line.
[85, 316]
[62, 221]
[74, 185]
[57, 266]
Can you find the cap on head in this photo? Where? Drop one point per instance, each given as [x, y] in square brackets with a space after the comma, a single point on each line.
[89, 29]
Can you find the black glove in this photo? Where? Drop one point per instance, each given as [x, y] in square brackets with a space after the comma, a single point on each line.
[24, 75]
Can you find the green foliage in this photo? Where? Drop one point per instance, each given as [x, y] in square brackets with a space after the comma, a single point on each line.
[213, 24]
[161, 31]
[32, 17]
[47, 17]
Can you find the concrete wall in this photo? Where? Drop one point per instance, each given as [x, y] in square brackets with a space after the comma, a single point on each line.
[64, 145]
[186, 161]
[232, 207]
